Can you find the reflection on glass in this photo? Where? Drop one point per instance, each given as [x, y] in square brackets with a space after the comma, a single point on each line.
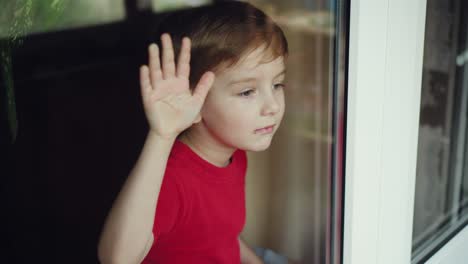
[440, 208]
[168, 5]
[289, 197]
[67, 110]
[27, 16]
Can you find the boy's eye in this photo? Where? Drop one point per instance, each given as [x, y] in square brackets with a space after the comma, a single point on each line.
[279, 85]
[249, 92]
[246, 93]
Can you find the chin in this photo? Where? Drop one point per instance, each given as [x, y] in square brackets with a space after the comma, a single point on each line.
[259, 145]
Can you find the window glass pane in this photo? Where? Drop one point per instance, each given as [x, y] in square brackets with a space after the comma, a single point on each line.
[78, 127]
[440, 208]
[168, 5]
[290, 188]
[28, 16]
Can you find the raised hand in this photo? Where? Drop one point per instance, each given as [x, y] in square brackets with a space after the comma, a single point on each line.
[170, 107]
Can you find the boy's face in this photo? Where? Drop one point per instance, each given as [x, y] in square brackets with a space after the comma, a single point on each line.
[245, 98]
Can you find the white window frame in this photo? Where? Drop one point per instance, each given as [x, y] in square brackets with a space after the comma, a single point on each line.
[384, 89]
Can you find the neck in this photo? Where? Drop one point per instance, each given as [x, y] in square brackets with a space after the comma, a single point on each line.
[210, 151]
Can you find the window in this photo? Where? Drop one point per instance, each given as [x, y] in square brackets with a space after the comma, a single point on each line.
[294, 190]
[73, 87]
[441, 197]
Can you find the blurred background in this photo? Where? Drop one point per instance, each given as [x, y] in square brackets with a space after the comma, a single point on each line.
[73, 126]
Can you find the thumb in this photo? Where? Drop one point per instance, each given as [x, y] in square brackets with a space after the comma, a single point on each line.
[204, 86]
[198, 118]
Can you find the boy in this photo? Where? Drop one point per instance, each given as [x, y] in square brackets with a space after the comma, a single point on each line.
[184, 200]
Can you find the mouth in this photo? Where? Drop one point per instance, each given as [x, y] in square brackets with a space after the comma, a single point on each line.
[265, 130]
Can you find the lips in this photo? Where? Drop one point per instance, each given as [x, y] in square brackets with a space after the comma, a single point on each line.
[265, 129]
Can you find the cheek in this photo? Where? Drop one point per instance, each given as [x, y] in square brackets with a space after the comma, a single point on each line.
[283, 106]
[228, 117]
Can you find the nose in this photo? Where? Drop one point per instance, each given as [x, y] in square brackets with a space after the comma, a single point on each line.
[271, 105]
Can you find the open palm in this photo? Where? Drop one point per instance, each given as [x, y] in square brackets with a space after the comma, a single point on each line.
[169, 104]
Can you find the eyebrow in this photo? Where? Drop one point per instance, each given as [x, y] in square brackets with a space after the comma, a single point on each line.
[248, 79]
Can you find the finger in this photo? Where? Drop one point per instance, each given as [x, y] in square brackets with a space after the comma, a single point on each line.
[145, 84]
[183, 65]
[204, 86]
[154, 64]
[168, 56]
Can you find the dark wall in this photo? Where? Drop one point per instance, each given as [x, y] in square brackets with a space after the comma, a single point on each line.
[81, 127]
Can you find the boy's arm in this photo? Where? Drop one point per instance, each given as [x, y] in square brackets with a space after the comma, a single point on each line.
[248, 256]
[127, 231]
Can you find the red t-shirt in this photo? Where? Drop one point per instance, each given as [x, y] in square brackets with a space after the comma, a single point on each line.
[200, 211]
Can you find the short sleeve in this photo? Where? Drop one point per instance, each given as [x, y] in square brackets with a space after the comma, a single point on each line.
[168, 208]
